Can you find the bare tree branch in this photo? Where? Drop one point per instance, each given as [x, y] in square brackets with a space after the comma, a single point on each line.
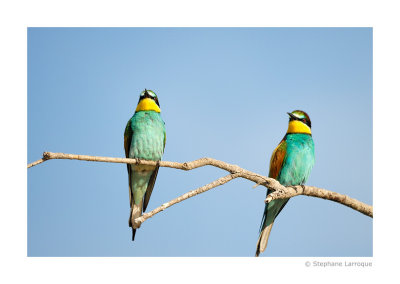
[279, 191]
[291, 191]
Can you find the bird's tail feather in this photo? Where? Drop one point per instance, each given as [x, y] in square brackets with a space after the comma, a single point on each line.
[263, 239]
[133, 234]
[136, 211]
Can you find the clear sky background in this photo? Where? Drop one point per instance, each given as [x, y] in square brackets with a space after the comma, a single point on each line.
[224, 93]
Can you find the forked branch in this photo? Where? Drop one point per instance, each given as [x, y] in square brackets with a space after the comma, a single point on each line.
[279, 191]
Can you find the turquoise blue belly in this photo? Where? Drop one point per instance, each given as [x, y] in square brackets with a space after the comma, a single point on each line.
[299, 160]
[148, 136]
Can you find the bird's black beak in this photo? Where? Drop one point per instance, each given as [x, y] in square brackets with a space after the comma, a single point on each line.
[292, 116]
[145, 92]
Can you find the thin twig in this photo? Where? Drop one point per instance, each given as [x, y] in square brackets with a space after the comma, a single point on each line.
[187, 195]
[279, 191]
[36, 163]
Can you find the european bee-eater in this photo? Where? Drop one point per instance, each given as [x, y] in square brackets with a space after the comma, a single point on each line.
[290, 164]
[144, 138]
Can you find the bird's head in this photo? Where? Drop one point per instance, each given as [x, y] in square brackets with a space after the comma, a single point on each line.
[299, 122]
[148, 101]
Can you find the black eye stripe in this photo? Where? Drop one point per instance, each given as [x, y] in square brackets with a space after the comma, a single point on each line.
[156, 100]
[304, 120]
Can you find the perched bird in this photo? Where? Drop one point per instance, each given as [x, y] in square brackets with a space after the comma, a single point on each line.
[144, 138]
[291, 164]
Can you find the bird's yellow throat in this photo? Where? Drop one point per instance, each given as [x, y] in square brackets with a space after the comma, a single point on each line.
[147, 104]
[296, 126]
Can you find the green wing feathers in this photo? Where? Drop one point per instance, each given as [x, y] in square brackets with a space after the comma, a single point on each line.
[152, 181]
[150, 187]
[127, 145]
[165, 138]
[128, 138]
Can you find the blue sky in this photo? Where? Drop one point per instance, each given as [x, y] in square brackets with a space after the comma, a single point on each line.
[224, 93]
